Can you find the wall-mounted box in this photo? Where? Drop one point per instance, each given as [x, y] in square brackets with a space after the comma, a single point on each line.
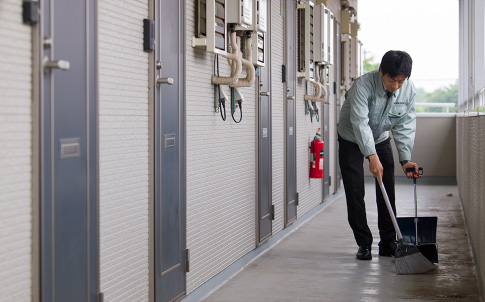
[360, 59]
[211, 33]
[356, 58]
[331, 37]
[258, 53]
[240, 13]
[345, 21]
[346, 61]
[320, 33]
[260, 16]
[354, 27]
[324, 2]
[306, 63]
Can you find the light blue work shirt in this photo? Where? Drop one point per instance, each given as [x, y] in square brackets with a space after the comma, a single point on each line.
[367, 116]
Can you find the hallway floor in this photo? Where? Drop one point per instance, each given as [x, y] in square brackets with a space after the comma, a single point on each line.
[317, 261]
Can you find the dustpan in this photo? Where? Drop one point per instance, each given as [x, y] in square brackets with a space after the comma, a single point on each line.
[420, 231]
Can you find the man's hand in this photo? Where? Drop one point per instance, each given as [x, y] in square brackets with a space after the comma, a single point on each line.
[414, 166]
[375, 167]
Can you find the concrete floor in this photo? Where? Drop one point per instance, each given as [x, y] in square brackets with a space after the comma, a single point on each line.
[317, 261]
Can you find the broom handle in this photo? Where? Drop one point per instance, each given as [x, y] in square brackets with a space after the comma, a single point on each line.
[391, 212]
[420, 172]
[415, 211]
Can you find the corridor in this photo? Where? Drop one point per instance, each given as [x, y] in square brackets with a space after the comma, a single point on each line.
[317, 261]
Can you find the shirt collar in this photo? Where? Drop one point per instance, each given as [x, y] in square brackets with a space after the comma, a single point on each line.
[381, 89]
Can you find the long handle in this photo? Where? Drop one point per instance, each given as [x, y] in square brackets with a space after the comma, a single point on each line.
[416, 219]
[415, 212]
[391, 212]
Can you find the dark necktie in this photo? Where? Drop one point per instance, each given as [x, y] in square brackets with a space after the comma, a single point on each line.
[389, 94]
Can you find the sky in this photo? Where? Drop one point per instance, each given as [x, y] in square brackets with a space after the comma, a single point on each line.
[426, 29]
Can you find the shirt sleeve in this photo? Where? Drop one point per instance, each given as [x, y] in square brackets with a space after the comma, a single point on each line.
[359, 118]
[404, 131]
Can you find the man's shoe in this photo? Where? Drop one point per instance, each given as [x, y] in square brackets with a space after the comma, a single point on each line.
[364, 253]
[388, 250]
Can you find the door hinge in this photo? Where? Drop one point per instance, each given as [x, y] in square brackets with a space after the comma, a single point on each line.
[297, 199]
[330, 180]
[100, 297]
[30, 12]
[148, 35]
[187, 260]
[272, 212]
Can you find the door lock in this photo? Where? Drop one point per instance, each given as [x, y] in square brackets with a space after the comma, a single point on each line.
[59, 64]
[48, 42]
[168, 81]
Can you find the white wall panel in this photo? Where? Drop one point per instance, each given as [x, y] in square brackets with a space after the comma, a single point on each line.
[470, 176]
[332, 137]
[309, 189]
[123, 151]
[278, 103]
[15, 154]
[434, 145]
[221, 169]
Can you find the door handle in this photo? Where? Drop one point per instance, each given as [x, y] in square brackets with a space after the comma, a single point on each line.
[168, 81]
[264, 93]
[290, 97]
[60, 64]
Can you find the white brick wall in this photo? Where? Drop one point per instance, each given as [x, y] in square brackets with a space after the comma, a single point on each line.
[310, 189]
[470, 175]
[221, 169]
[332, 137]
[278, 103]
[15, 154]
[123, 151]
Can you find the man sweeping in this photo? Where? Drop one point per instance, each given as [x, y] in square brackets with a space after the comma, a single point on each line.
[378, 102]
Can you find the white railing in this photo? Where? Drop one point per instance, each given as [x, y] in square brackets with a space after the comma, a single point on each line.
[474, 102]
[442, 105]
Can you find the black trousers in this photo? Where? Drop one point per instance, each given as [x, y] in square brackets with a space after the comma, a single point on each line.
[351, 164]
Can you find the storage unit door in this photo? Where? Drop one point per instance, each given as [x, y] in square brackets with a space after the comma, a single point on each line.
[170, 232]
[68, 152]
[265, 137]
[290, 57]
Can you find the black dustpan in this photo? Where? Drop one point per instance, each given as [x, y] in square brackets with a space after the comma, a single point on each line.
[420, 231]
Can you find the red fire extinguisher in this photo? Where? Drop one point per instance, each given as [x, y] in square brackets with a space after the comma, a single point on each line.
[316, 157]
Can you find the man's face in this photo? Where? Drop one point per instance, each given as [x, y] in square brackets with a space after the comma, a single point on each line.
[392, 84]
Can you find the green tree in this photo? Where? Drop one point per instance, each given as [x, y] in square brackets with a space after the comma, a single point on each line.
[369, 65]
[447, 94]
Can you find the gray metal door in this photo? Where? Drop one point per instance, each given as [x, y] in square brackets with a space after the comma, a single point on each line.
[69, 258]
[265, 206]
[326, 146]
[290, 62]
[169, 151]
[338, 78]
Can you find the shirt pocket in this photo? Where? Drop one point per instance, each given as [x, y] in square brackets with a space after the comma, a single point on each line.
[397, 111]
[393, 117]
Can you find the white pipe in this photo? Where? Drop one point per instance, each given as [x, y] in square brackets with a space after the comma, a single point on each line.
[318, 88]
[318, 91]
[234, 61]
[250, 72]
[323, 97]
